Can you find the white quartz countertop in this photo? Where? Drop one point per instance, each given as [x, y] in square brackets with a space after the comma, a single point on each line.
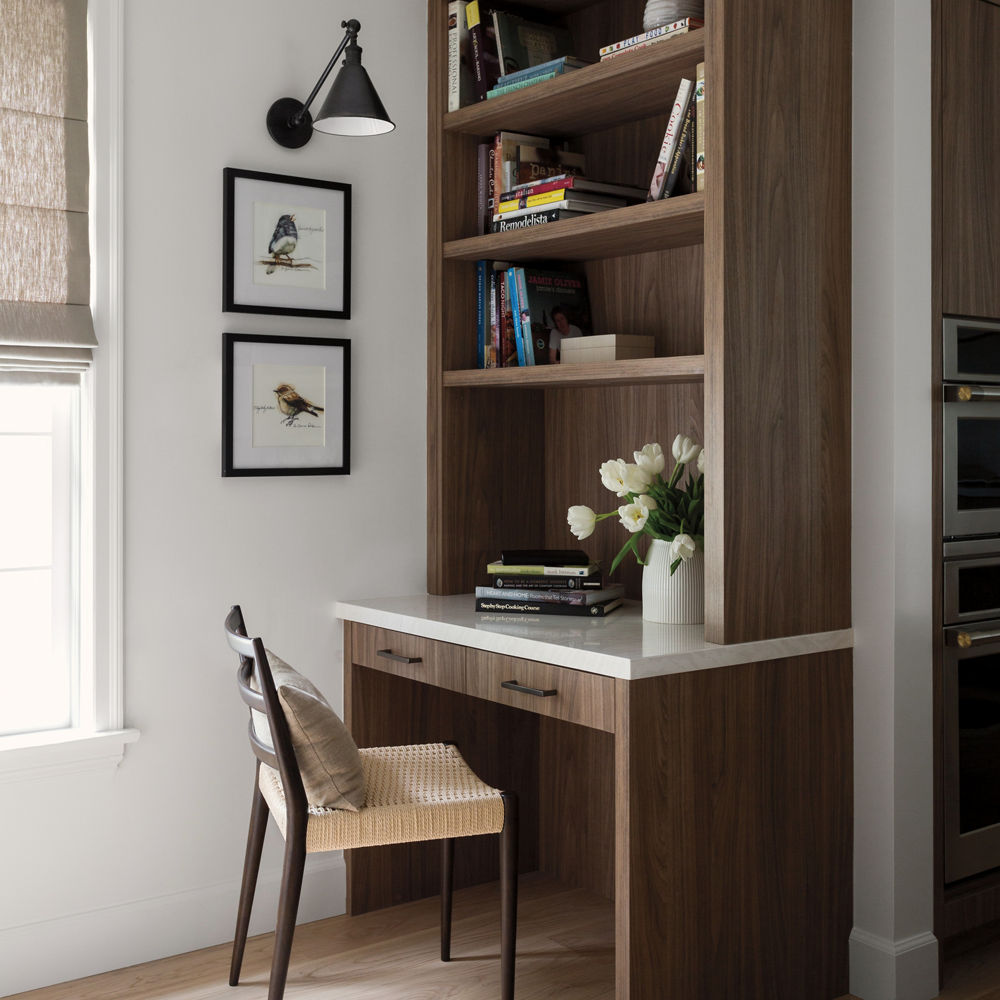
[621, 645]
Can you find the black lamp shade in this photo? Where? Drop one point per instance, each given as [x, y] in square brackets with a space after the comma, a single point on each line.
[353, 107]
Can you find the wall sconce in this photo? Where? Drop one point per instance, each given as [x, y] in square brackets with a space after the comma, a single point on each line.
[351, 108]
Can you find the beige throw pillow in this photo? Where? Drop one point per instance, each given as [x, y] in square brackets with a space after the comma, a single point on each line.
[328, 757]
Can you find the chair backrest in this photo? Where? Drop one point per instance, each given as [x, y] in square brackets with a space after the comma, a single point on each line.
[254, 666]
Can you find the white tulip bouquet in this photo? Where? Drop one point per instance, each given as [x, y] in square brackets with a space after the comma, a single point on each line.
[664, 509]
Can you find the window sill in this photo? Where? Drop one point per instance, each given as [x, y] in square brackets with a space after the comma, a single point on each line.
[31, 756]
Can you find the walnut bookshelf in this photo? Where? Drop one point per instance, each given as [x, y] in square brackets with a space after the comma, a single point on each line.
[745, 288]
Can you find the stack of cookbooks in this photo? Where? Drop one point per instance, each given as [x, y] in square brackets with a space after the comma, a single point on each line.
[547, 199]
[548, 582]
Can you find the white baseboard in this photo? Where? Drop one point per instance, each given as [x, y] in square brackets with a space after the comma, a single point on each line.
[893, 970]
[114, 937]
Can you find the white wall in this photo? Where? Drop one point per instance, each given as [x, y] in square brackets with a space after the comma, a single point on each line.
[893, 950]
[102, 871]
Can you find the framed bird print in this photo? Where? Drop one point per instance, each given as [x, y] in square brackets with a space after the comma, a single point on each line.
[286, 245]
[286, 406]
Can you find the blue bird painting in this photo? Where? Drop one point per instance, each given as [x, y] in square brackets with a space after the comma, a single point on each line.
[283, 242]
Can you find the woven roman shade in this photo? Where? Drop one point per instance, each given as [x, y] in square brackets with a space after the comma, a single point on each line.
[46, 327]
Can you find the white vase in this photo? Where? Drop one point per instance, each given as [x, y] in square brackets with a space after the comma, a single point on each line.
[677, 599]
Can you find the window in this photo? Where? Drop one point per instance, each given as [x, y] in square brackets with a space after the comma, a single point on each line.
[60, 385]
[39, 556]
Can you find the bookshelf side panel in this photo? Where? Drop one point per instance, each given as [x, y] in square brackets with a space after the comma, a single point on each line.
[778, 318]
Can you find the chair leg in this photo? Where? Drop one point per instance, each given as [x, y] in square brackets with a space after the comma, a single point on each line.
[447, 872]
[508, 895]
[288, 905]
[251, 866]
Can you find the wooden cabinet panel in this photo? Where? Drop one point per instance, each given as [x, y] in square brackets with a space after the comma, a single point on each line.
[970, 137]
[439, 663]
[587, 699]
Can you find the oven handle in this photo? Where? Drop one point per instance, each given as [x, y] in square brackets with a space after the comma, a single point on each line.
[966, 640]
[971, 394]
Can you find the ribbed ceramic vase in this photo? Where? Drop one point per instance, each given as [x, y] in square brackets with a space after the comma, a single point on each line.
[677, 599]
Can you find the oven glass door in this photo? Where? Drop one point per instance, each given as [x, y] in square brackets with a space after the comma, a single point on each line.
[972, 719]
[971, 466]
[971, 589]
[971, 350]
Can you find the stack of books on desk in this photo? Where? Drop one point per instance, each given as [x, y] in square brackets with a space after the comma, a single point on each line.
[548, 582]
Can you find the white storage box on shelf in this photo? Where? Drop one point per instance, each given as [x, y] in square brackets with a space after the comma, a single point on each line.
[609, 347]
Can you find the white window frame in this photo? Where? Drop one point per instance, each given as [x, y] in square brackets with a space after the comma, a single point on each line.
[99, 741]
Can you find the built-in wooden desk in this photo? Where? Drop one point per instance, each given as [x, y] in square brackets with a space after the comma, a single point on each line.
[706, 789]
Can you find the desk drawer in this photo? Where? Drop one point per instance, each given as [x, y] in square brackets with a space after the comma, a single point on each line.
[439, 663]
[587, 699]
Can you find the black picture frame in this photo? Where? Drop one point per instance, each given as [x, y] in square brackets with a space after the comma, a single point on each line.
[255, 278]
[267, 433]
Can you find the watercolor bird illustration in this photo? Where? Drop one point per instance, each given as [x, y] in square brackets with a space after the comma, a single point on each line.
[283, 242]
[291, 404]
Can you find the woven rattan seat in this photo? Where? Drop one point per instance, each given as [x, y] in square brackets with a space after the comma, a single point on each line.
[421, 792]
[411, 793]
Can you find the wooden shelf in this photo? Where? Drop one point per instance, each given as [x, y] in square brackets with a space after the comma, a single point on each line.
[640, 371]
[626, 88]
[657, 225]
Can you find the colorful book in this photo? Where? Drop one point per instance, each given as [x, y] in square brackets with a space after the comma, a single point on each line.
[532, 217]
[522, 320]
[670, 138]
[582, 200]
[493, 329]
[523, 582]
[511, 278]
[595, 596]
[486, 63]
[680, 157]
[507, 356]
[532, 163]
[509, 88]
[567, 181]
[481, 301]
[460, 88]
[506, 147]
[522, 44]
[484, 196]
[684, 25]
[562, 64]
[543, 608]
[552, 305]
[699, 129]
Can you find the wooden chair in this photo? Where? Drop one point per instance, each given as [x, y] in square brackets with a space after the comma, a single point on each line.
[447, 801]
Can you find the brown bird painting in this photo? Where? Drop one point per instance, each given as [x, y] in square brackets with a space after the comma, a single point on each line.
[292, 404]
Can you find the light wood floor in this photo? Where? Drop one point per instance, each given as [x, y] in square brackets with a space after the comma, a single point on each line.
[564, 949]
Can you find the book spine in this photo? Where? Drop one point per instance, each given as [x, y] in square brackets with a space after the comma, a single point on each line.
[664, 30]
[595, 581]
[508, 88]
[483, 153]
[699, 131]
[515, 314]
[670, 137]
[535, 569]
[492, 348]
[549, 597]
[531, 200]
[533, 218]
[678, 159]
[645, 45]
[542, 608]
[563, 62]
[524, 317]
[456, 14]
[480, 313]
[478, 48]
[497, 168]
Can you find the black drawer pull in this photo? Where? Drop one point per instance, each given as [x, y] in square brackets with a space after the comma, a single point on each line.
[388, 654]
[537, 692]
